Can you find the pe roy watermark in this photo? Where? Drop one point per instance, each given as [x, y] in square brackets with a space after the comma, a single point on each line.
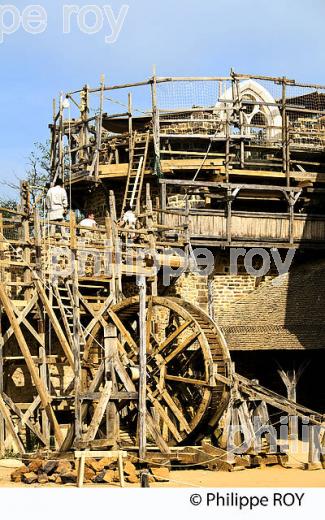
[32, 19]
[170, 264]
[92, 19]
[266, 257]
[87, 19]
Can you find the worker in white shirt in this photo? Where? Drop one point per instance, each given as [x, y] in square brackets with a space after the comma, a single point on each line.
[89, 221]
[129, 219]
[57, 202]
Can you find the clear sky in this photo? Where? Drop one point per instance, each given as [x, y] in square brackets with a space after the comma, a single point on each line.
[182, 37]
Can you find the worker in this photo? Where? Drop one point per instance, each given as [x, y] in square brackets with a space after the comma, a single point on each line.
[89, 221]
[129, 219]
[57, 202]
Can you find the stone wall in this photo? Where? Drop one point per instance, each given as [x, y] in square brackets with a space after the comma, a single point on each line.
[222, 290]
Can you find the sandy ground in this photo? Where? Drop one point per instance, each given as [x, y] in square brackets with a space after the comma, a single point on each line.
[272, 476]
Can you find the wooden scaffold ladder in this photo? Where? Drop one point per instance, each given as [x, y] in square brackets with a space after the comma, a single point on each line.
[137, 167]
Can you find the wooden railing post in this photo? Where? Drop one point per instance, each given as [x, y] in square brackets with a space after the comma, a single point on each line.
[76, 324]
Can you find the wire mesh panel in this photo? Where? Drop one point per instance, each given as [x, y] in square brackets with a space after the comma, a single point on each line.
[187, 94]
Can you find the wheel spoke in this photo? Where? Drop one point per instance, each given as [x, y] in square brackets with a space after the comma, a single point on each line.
[186, 343]
[176, 411]
[171, 426]
[124, 332]
[186, 380]
[174, 335]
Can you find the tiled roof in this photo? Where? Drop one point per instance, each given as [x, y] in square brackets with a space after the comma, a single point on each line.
[287, 314]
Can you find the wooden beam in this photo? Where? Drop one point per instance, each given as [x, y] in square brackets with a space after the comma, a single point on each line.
[40, 387]
[99, 413]
[174, 335]
[186, 343]
[55, 323]
[21, 316]
[22, 421]
[10, 425]
[142, 411]
[118, 171]
[68, 441]
[164, 416]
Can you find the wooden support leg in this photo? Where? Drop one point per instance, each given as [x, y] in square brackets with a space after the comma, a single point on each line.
[120, 468]
[81, 470]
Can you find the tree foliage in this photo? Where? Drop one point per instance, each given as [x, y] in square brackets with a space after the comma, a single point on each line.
[9, 203]
[38, 169]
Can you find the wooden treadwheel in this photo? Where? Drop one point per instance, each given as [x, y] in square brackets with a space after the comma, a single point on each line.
[184, 347]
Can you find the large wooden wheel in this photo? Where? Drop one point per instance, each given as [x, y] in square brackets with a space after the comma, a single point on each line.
[184, 347]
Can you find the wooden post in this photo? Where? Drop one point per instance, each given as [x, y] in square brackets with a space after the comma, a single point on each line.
[99, 126]
[227, 151]
[290, 380]
[155, 120]
[81, 470]
[142, 430]
[76, 325]
[288, 163]
[163, 202]
[151, 237]
[130, 128]
[110, 348]
[116, 253]
[38, 242]
[120, 468]
[25, 204]
[241, 126]
[43, 375]
[84, 109]
[291, 217]
[285, 166]
[314, 461]
[229, 215]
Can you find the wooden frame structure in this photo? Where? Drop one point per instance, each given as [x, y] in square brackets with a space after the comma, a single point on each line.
[98, 374]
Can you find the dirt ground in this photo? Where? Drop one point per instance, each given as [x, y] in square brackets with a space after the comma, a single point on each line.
[273, 476]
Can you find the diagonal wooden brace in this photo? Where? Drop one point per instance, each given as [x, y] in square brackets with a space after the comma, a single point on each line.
[40, 387]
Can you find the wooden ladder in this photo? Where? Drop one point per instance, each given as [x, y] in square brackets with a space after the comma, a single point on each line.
[64, 298]
[137, 167]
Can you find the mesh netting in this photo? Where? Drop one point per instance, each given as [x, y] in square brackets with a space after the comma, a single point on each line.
[189, 94]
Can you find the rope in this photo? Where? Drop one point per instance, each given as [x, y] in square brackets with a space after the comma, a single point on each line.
[123, 105]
